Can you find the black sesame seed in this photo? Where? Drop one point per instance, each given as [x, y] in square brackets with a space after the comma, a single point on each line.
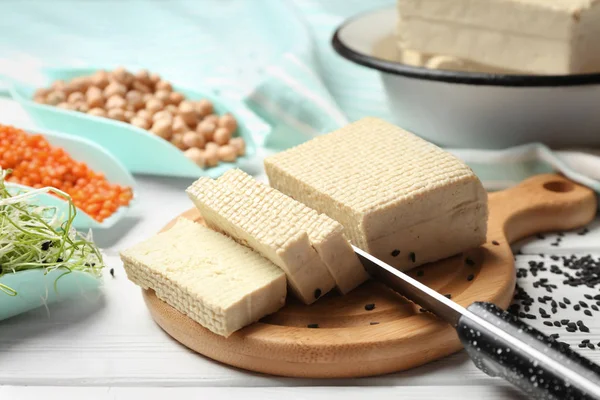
[548, 323]
[112, 272]
[557, 324]
[597, 297]
[59, 260]
[554, 310]
[553, 303]
[585, 341]
[591, 346]
[584, 329]
[571, 330]
[583, 304]
[312, 325]
[567, 301]
[595, 307]
[555, 335]
[530, 316]
[420, 272]
[587, 312]
[395, 253]
[564, 321]
[561, 304]
[542, 311]
[469, 262]
[579, 323]
[582, 345]
[373, 323]
[46, 245]
[470, 277]
[526, 308]
[576, 307]
[412, 256]
[588, 296]
[542, 300]
[555, 258]
[495, 243]
[369, 307]
[572, 325]
[318, 293]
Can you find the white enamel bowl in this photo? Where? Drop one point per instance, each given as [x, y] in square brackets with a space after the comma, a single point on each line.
[474, 110]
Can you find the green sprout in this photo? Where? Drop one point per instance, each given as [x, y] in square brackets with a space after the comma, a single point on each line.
[37, 237]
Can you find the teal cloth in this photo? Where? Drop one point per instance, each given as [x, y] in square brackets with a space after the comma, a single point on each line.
[273, 54]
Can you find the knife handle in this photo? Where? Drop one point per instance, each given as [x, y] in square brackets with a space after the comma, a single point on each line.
[501, 345]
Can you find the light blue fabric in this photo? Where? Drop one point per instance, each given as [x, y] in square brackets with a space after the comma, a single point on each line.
[273, 54]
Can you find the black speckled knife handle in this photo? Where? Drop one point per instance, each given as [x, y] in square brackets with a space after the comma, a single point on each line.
[501, 345]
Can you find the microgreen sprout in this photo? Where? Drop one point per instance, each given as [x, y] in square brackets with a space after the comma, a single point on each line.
[33, 236]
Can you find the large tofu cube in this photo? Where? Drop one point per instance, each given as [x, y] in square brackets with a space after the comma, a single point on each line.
[399, 197]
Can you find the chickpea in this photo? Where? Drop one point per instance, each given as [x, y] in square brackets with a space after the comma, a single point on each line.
[129, 114]
[207, 129]
[211, 118]
[179, 125]
[143, 77]
[204, 108]
[154, 105]
[239, 144]
[162, 128]
[116, 101]
[163, 85]
[134, 99]
[140, 122]
[76, 97]
[146, 97]
[188, 114]
[197, 156]
[123, 76]
[79, 84]
[141, 87]
[221, 136]
[145, 114]
[211, 155]
[94, 97]
[228, 122]
[65, 105]
[117, 114]
[227, 153]
[211, 147]
[175, 98]
[154, 78]
[97, 111]
[172, 109]
[115, 88]
[193, 139]
[163, 114]
[56, 97]
[162, 95]
[177, 141]
[100, 79]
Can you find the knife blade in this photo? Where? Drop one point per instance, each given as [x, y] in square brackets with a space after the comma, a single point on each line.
[498, 343]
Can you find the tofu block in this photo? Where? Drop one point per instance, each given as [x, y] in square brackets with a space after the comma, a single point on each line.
[399, 197]
[207, 276]
[249, 218]
[530, 36]
[325, 234]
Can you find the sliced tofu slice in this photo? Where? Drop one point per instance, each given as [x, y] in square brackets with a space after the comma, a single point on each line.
[248, 218]
[207, 276]
[325, 234]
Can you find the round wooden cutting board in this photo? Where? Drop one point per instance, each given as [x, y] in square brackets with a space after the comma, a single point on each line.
[353, 340]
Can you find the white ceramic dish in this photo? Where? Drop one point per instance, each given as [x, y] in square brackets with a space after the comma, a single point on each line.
[473, 110]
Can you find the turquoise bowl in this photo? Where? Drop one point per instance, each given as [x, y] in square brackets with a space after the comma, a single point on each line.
[139, 150]
[99, 160]
[36, 288]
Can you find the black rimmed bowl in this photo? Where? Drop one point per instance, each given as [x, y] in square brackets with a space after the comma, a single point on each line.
[476, 110]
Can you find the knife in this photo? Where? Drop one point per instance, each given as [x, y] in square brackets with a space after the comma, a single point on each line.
[499, 343]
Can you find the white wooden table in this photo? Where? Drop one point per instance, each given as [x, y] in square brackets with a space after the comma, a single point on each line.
[108, 347]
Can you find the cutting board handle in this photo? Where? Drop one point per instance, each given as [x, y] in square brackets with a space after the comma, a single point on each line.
[543, 203]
